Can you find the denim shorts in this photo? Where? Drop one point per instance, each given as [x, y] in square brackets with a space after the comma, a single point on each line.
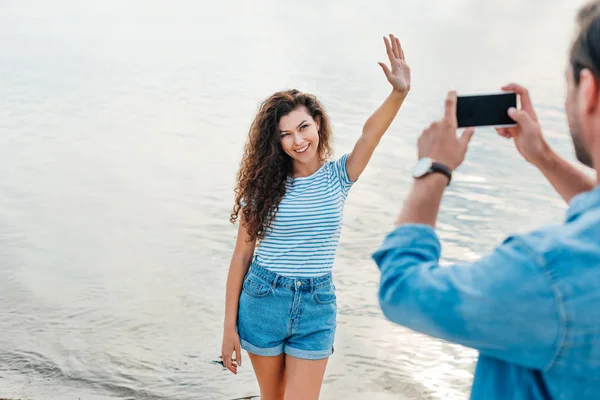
[295, 316]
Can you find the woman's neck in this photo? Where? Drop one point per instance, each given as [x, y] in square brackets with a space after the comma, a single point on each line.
[306, 169]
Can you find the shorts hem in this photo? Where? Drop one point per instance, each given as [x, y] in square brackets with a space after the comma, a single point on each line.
[271, 351]
[308, 354]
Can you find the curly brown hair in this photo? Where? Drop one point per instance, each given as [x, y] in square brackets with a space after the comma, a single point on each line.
[265, 166]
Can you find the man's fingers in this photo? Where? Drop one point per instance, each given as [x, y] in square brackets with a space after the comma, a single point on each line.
[504, 132]
[466, 136]
[523, 95]
[226, 360]
[450, 113]
[520, 116]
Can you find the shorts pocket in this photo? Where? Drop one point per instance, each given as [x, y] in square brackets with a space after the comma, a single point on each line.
[256, 287]
[325, 295]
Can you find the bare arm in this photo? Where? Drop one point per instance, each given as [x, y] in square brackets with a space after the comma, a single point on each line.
[380, 121]
[240, 263]
[566, 179]
[373, 131]
[423, 202]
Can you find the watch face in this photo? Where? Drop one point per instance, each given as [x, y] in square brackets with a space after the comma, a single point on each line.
[422, 167]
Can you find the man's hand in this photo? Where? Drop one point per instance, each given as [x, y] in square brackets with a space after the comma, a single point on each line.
[566, 179]
[527, 134]
[439, 141]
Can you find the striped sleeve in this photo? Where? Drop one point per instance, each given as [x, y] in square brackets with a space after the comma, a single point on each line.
[341, 173]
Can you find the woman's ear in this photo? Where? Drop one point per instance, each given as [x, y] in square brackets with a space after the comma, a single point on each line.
[318, 122]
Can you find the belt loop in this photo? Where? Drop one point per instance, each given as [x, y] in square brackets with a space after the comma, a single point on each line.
[312, 285]
[275, 281]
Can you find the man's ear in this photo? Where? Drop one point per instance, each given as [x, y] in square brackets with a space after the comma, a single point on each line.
[589, 93]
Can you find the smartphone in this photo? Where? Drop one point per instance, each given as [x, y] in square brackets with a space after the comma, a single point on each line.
[485, 110]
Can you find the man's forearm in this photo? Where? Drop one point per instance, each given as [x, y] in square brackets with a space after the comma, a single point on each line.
[567, 180]
[423, 203]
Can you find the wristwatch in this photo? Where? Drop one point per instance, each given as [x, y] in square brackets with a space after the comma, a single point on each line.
[426, 166]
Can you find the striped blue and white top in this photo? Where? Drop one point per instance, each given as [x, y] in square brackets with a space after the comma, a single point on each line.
[305, 233]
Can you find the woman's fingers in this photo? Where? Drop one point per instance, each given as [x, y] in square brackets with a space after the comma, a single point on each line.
[238, 354]
[226, 358]
[401, 51]
[388, 49]
[229, 363]
[385, 69]
[233, 368]
[395, 47]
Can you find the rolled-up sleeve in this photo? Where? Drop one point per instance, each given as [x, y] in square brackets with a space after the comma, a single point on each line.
[502, 305]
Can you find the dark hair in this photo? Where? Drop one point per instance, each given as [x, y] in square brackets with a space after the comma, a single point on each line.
[585, 51]
[265, 166]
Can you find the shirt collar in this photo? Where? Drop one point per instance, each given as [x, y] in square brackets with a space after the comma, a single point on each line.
[583, 202]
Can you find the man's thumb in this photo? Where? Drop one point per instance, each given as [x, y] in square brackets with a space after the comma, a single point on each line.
[520, 116]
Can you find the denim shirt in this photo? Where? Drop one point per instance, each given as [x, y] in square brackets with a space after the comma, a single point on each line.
[531, 307]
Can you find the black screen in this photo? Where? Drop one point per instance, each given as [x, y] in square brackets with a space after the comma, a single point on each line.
[485, 110]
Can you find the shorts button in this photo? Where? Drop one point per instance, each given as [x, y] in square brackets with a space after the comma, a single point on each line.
[299, 283]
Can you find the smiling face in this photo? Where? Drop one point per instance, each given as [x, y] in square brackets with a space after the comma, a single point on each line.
[299, 136]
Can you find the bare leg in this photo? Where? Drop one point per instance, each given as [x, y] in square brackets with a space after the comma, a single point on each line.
[304, 378]
[270, 373]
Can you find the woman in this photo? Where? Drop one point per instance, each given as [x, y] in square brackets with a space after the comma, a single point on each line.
[280, 302]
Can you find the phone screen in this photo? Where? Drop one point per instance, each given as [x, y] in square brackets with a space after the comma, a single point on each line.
[485, 110]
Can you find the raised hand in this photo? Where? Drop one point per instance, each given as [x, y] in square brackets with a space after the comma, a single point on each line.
[399, 76]
[528, 133]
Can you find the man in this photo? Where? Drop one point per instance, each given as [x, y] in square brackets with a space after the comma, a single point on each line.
[531, 307]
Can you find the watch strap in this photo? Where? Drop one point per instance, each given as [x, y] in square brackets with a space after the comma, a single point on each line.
[442, 169]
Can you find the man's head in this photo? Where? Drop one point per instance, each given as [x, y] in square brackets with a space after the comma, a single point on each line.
[583, 86]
